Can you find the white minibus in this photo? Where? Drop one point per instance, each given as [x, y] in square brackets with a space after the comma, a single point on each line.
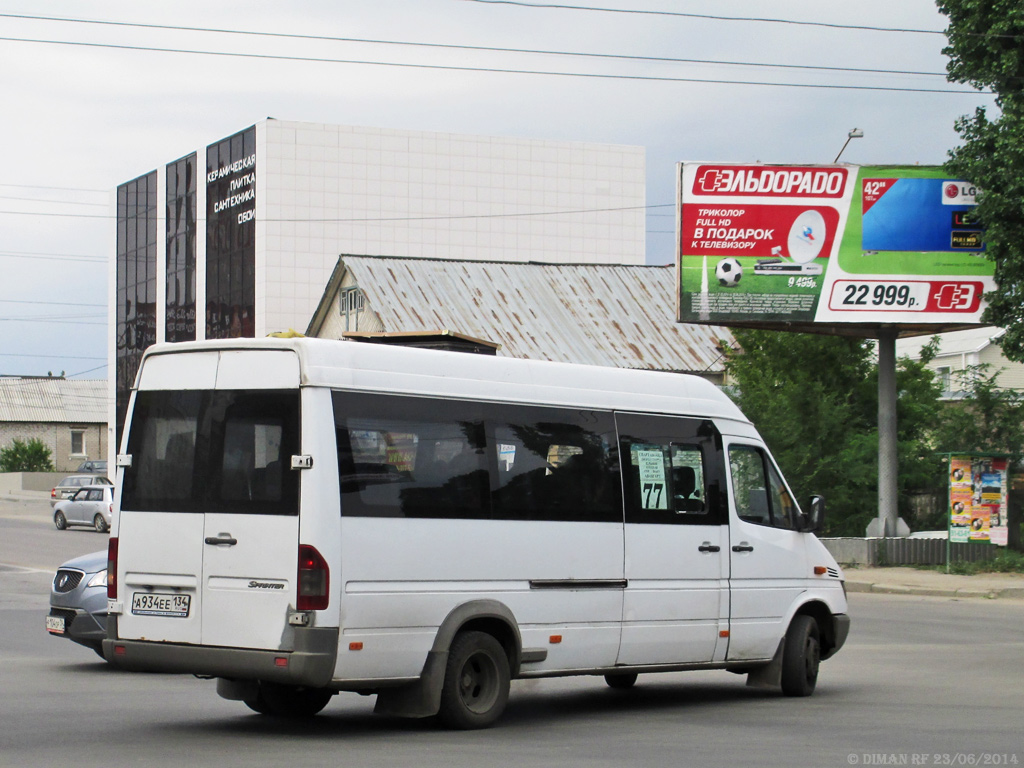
[299, 517]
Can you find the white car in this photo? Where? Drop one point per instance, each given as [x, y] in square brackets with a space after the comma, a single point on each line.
[69, 486]
[92, 506]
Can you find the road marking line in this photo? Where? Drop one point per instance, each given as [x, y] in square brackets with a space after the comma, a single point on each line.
[21, 569]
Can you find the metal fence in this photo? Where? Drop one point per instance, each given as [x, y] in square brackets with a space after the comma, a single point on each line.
[906, 551]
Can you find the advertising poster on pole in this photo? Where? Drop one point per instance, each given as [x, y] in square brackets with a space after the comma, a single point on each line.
[978, 488]
[778, 245]
[960, 498]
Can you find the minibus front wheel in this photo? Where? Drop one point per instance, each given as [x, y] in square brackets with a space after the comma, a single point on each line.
[476, 682]
[801, 656]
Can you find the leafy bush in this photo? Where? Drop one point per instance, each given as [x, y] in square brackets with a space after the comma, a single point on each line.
[31, 456]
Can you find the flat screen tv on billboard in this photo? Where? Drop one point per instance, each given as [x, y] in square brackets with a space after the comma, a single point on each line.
[818, 247]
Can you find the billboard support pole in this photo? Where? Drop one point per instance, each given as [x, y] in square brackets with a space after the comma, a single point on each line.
[888, 460]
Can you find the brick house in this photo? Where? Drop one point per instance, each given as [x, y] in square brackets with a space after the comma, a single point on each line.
[68, 416]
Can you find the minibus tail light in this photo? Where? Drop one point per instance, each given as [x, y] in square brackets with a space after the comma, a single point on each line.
[112, 568]
[314, 580]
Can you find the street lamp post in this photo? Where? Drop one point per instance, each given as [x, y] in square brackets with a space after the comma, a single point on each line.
[856, 133]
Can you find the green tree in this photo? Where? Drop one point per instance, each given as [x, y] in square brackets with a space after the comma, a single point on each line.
[986, 50]
[986, 419]
[814, 399]
[21, 456]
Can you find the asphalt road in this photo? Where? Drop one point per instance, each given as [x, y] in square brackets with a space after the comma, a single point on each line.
[921, 681]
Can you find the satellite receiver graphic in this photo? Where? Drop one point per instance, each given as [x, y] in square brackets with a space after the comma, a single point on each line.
[805, 241]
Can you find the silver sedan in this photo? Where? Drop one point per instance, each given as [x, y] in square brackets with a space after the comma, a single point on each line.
[92, 506]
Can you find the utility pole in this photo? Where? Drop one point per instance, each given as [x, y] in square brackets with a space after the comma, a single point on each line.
[888, 457]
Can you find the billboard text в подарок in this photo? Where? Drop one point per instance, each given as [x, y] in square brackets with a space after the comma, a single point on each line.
[828, 244]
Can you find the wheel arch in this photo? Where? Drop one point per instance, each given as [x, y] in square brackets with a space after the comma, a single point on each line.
[822, 616]
[490, 616]
[422, 698]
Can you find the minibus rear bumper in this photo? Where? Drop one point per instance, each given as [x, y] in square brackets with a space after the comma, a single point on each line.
[310, 663]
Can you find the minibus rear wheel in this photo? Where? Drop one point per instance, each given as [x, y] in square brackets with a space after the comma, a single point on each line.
[621, 680]
[476, 682]
[801, 656]
[289, 701]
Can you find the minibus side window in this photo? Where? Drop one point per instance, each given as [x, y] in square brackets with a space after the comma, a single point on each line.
[402, 456]
[410, 457]
[761, 496]
[399, 468]
[672, 470]
[783, 508]
[554, 464]
[666, 481]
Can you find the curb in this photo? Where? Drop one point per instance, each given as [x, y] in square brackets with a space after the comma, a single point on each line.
[1016, 593]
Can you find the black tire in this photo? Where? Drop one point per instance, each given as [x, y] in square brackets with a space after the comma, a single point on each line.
[288, 701]
[476, 682]
[621, 681]
[60, 521]
[255, 701]
[801, 657]
[100, 523]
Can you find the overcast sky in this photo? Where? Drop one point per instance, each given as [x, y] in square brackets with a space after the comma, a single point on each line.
[87, 106]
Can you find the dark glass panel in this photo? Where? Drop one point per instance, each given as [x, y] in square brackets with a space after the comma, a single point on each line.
[673, 470]
[423, 457]
[214, 451]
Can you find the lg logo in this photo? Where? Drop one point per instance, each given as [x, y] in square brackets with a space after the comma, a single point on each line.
[958, 193]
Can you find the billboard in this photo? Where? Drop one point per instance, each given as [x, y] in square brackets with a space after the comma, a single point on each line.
[805, 246]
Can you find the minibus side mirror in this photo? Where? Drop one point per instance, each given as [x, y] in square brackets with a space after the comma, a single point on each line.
[814, 520]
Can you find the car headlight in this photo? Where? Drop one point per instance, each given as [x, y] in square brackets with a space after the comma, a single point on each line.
[99, 580]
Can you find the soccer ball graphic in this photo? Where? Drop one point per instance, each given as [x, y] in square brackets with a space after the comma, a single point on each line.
[729, 272]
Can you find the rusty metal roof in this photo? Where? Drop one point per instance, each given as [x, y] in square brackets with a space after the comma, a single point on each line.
[53, 400]
[622, 316]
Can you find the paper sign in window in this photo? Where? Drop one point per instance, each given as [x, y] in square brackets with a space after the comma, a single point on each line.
[652, 479]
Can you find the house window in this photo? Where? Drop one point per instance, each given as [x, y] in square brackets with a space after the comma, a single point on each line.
[350, 303]
[945, 375]
[78, 442]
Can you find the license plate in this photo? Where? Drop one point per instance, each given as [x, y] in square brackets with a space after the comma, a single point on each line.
[161, 604]
[55, 625]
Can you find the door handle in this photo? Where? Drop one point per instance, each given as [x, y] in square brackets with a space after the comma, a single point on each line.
[707, 546]
[744, 547]
[224, 538]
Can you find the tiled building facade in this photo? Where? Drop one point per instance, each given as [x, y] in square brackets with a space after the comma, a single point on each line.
[240, 237]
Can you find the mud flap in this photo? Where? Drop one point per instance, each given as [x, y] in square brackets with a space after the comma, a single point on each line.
[421, 698]
[770, 675]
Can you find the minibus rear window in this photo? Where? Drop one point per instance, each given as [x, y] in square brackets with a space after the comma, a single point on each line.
[213, 451]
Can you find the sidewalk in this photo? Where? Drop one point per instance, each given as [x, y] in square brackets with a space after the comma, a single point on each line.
[913, 581]
[22, 504]
[25, 496]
